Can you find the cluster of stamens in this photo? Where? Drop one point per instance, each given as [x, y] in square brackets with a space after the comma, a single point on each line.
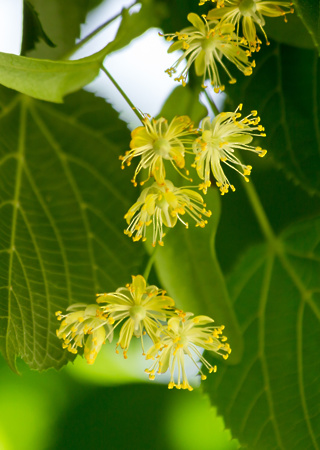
[143, 310]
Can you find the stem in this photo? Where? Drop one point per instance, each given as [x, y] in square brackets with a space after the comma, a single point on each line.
[260, 212]
[137, 113]
[149, 265]
[95, 32]
[212, 103]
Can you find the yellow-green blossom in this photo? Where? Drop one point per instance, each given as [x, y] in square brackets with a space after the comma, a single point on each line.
[218, 142]
[182, 337]
[162, 206]
[205, 44]
[157, 141]
[85, 325]
[249, 13]
[140, 309]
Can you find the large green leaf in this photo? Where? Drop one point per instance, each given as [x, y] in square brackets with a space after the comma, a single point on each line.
[271, 400]
[62, 197]
[45, 79]
[284, 88]
[309, 11]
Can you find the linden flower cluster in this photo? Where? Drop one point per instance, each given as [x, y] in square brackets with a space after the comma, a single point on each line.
[141, 310]
[162, 204]
[205, 44]
[250, 13]
[217, 142]
[215, 37]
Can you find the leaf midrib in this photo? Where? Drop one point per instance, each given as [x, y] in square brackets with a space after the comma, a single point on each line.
[261, 335]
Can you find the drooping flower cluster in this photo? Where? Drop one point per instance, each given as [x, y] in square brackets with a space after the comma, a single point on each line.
[182, 336]
[162, 204]
[158, 141]
[205, 44]
[249, 13]
[215, 37]
[142, 309]
[218, 141]
[84, 325]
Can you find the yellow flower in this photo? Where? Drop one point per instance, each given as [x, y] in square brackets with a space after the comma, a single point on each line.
[157, 141]
[163, 206]
[218, 142]
[182, 336]
[140, 308]
[205, 44]
[249, 12]
[84, 325]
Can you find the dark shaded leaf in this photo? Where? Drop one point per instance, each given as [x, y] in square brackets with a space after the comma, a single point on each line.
[61, 20]
[32, 29]
[271, 400]
[309, 11]
[284, 88]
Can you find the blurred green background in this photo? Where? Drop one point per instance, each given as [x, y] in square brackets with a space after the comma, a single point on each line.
[93, 407]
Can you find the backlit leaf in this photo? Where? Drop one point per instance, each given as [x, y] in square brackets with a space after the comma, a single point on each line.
[45, 79]
[62, 197]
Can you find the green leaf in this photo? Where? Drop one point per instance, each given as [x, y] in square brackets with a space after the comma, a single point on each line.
[188, 268]
[184, 101]
[177, 21]
[271, 400]
[61, 19]
[48, 80]
[63, 198]
[133, 25]
[291, 33]
[309, 12]
[32, 29]
[284, 88]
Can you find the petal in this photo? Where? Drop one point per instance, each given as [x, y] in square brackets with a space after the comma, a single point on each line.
[249, 30]
[158, 170]
[200, 63]
[126, 334]
[175, 46]
[197, 22]
[138, 286]
[218, 13]
[201, 320]
[140, 137]
[239, 138]
[94, 344]
[165, 357]
[174, 324]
